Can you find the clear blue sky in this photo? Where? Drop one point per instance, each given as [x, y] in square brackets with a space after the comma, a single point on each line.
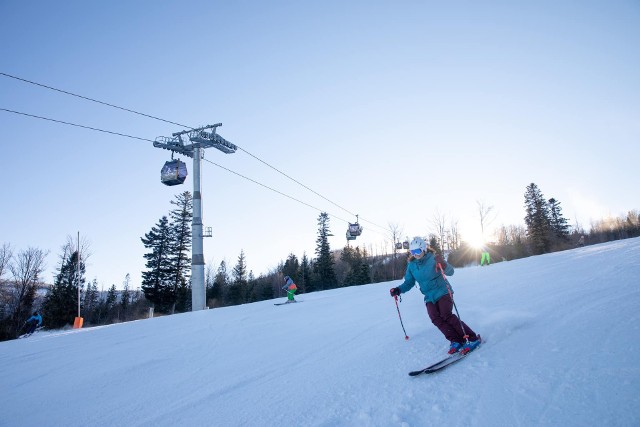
[391, 110]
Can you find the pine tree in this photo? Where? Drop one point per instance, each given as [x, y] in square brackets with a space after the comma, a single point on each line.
[220, 282]
[237, 291]
[304, 283]
[434, 243]
[91, 301]
[61, 303]
[179, 257]
[537, 219]
[251, 288]
[291, 268]
[183, 297]
[239, 273]
[324, 265]
[364, 275]
[157, 281]
[359, 273]
[351, 257]
[558, 223]
[110, 304]
[265, 289]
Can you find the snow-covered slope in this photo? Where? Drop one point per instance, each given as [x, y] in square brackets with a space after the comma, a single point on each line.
[561, 348]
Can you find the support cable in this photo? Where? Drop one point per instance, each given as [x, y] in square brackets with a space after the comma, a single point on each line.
[166, 121]
[91, 99]
[149, 140]
[75, 124]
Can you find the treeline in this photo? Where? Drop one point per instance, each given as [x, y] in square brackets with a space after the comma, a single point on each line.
[546, 230]
[350, 266]
[166, 286]
[25, 291]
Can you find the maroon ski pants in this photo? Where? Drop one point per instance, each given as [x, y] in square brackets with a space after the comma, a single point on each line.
[442, 316]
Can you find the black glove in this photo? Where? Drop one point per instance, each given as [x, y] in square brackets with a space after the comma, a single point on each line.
[440, 262]
[394, 291]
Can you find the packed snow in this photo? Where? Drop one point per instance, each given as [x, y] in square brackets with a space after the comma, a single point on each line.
[561, 348]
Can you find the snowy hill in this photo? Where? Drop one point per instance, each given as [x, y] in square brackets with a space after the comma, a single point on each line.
[561, 349]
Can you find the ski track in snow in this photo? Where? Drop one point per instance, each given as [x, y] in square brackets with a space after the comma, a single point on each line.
[559, 350]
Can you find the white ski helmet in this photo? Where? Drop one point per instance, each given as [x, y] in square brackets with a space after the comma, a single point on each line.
[418, 243]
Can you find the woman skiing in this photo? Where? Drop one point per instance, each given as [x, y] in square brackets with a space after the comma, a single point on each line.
[290, 287]
[425, 268]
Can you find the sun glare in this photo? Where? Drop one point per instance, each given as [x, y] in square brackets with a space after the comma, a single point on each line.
[476, 242]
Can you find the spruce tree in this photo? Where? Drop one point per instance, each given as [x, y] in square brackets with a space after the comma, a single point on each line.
[291, 268]
[324, 265]
[558, 224]
[239, 272]
[434, 243]
[220, 282]
[61, 303]
[305, 275]
[157, 281]
[537, 219]
[91, 302]
[180, 256]
[111, 308]
[351, 257]
[237, 291]
[183, 297]
[364, 275]
[265, 289]
[250, 293]
[359, 273]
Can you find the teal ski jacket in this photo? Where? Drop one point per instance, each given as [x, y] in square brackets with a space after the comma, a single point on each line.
[431, 283]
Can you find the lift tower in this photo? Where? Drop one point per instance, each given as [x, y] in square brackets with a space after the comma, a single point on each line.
[200, 139]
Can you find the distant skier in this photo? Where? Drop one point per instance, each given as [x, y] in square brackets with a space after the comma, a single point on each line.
[485, 256]
[290, 287]
[423, 267]
[33, 322]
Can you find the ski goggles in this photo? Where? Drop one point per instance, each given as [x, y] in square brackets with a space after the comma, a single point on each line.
[416, 252]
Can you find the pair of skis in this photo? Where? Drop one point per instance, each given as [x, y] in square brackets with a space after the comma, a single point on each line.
[286, 302]
[447, 361]
[27, 335]
[438, 366]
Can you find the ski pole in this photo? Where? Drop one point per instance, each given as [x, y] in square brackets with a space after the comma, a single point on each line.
[406, 337]
[464, 333]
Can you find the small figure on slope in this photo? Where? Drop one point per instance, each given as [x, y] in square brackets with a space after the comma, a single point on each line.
[423, 267]
[33, 322]
[290, 287]
[485, 256]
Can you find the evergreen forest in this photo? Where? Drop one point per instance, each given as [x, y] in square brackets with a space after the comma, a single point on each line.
[165, 282]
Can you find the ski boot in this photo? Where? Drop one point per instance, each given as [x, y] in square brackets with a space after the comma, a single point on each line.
[470, 346]
[455, 347]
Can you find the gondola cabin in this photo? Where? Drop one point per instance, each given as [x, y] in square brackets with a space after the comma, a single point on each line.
[355, 229]
[405, 244]
[398, 246]
[174, 172]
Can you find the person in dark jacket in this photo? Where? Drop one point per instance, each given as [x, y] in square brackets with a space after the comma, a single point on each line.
[33, 322]
[424, 268]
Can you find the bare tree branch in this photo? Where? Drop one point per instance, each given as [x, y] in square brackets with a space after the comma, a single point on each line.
[26, 269]
[485, 214]
[439, 221]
